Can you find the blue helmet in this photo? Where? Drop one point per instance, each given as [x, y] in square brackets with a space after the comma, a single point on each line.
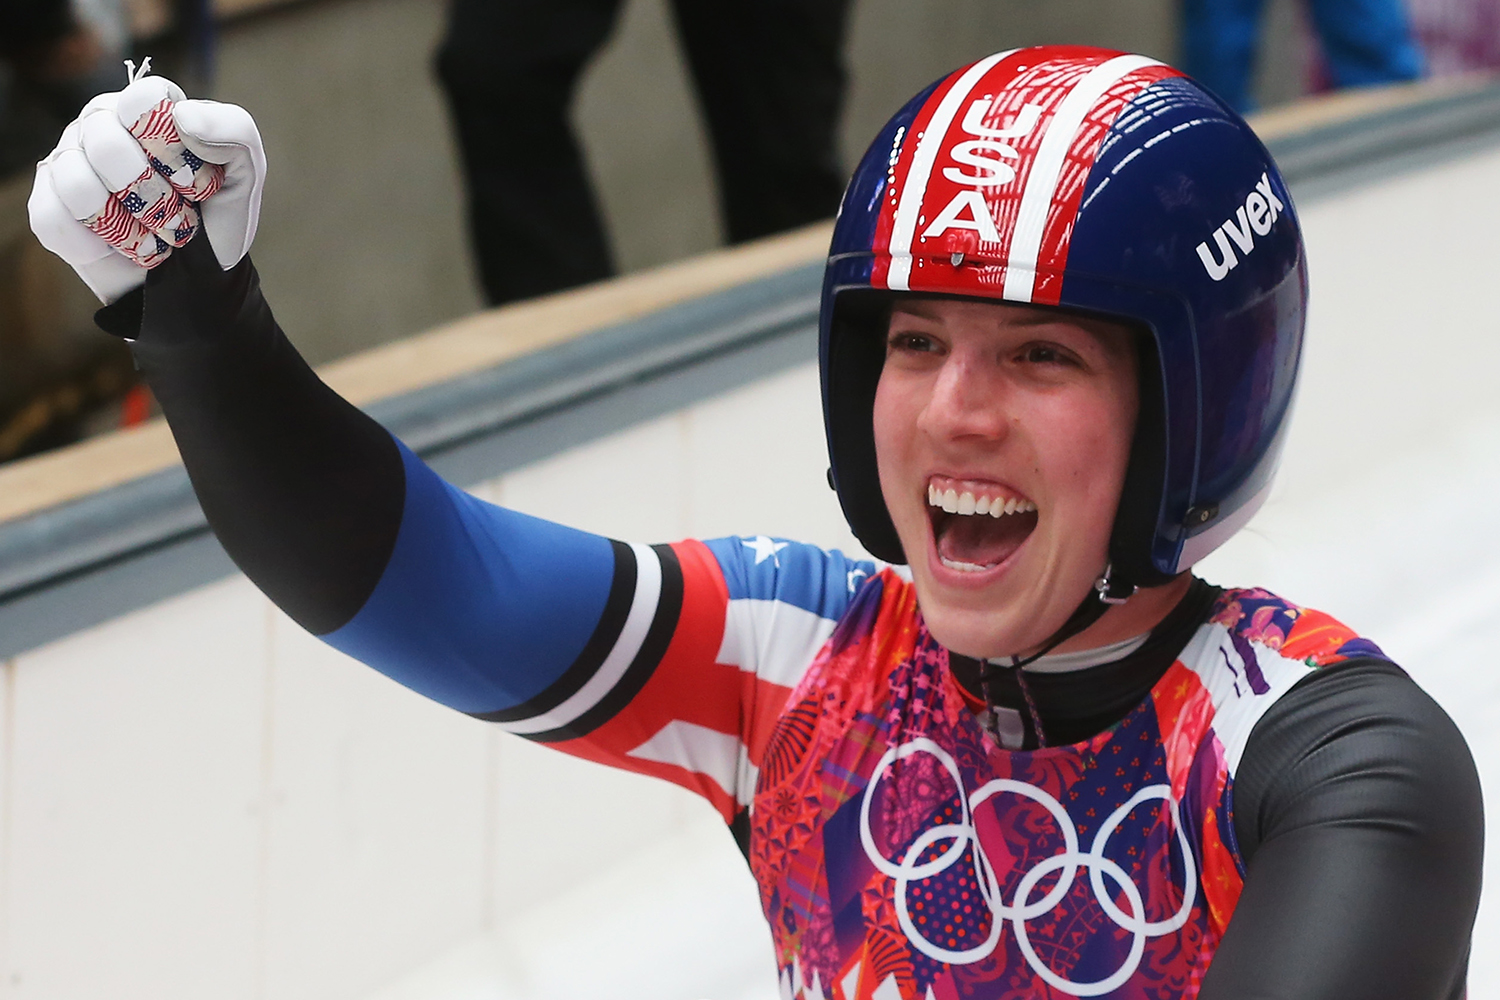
[1102, 183]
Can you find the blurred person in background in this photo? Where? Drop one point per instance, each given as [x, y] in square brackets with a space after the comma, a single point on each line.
[54, 55]
[1363, 43]
[1458, 36]
[58, 381]
[770, 80]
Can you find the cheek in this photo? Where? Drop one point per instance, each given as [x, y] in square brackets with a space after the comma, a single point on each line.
[1118, 416]
[897, 454]
[1089, 448]
[894, 422]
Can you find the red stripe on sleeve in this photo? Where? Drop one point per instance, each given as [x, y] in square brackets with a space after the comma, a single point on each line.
[717, 702]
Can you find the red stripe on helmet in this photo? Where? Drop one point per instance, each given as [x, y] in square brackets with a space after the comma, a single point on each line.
[984, 191]
[1052, 256]
[904, 146]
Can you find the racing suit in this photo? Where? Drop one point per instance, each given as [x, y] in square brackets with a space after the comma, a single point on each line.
[1251, 801]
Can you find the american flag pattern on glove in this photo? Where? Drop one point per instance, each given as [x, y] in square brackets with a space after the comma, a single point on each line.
[156, 131]
[118, 227]
[158, 210]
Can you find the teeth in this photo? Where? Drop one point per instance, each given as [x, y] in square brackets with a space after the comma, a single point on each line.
[963, 567]
[967, 504]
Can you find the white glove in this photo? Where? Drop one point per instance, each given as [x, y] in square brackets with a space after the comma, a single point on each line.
[140, 172]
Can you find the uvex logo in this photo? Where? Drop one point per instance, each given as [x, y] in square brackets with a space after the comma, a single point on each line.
[987, 155]
[1254, 218]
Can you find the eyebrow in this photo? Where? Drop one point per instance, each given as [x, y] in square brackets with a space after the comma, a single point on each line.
[1029, 318]
[1022, 316]
[910, 311]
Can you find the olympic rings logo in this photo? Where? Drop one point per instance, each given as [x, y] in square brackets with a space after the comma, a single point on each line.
[1022, 908]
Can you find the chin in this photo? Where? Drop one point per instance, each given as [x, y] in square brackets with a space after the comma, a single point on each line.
[1013, 617]
[978, 633]
[966, 638]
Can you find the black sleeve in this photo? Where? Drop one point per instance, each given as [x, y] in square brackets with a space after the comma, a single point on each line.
[304, 491]
[1357, 808]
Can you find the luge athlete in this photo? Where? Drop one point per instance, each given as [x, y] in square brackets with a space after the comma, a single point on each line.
[1061, 326]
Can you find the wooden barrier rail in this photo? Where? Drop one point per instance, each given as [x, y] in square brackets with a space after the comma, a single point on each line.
[471, 344]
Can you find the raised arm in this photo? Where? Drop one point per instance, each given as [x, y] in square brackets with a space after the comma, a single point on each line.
[153, 199]
[671, 660]
[324, 510]
[304, 491]
[667, 659]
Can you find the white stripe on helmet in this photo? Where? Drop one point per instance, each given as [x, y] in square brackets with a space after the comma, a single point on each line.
[904, 226]
[1046, 168]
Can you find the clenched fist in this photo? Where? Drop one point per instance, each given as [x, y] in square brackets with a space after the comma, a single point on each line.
[140, 172]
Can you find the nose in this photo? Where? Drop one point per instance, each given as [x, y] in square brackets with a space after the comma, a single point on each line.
[968, 401]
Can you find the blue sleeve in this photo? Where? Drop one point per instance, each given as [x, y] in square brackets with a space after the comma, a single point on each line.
[820, 581]
[479, 607]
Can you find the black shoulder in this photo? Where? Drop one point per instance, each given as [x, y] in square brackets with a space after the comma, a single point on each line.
[1357, 742]
[1357, 809]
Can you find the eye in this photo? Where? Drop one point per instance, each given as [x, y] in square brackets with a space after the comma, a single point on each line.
[910, 343]
[1047, 354]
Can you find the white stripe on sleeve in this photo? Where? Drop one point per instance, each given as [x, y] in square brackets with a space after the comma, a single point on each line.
[721, 757]
[773, 640]
[643, 607]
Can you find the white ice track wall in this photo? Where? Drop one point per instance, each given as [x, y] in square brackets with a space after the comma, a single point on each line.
[198, 800]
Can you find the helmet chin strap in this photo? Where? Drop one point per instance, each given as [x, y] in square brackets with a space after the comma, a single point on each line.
[1106, 593]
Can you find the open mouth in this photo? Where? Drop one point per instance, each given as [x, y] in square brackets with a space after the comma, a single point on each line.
[976, 526]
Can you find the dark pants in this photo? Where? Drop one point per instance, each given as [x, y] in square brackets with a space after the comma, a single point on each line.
[770, 77]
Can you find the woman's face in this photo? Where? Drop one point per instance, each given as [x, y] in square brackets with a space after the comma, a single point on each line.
[986, 407]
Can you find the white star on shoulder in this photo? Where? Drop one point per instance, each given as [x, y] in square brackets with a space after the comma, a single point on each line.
[855, 574]
[764, 548]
